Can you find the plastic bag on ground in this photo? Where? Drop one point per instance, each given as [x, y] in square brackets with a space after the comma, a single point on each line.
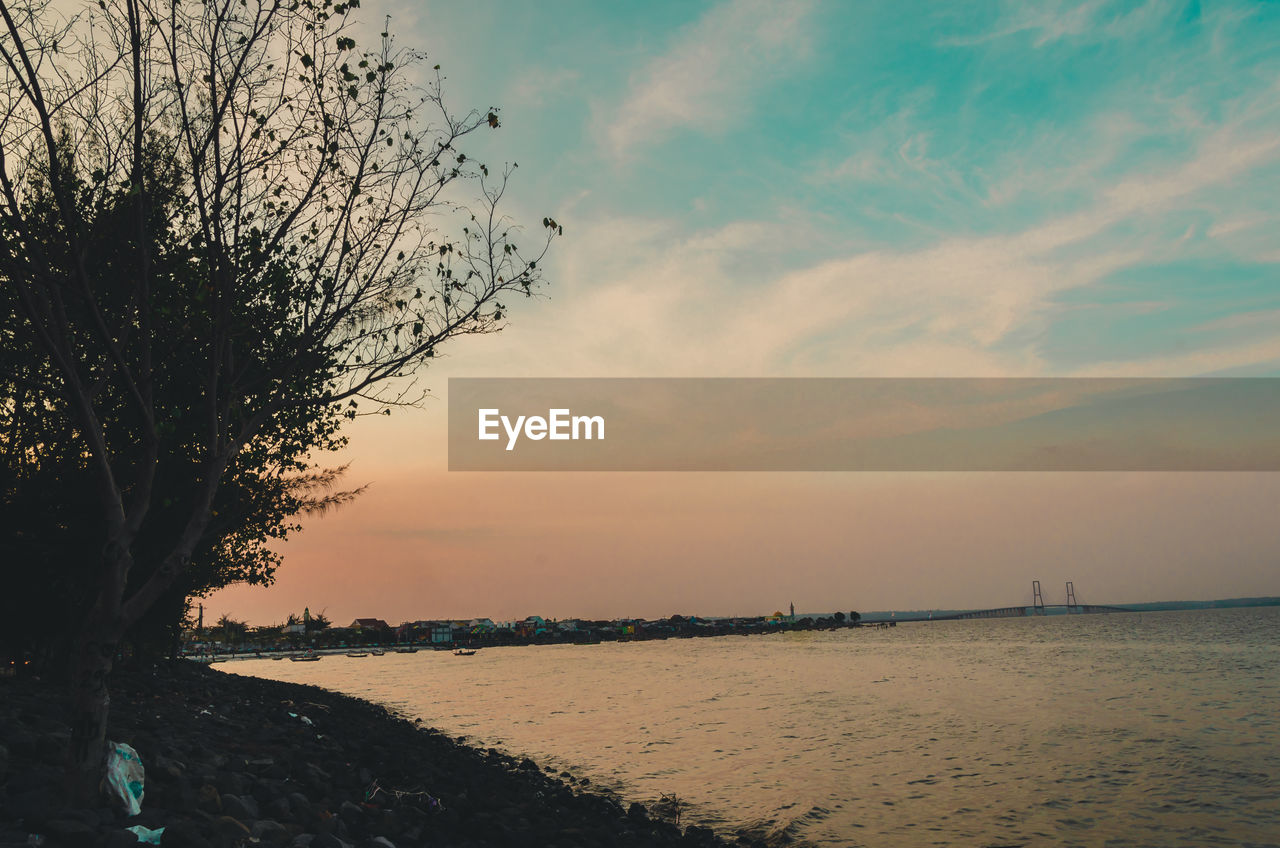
[146, 834]
[125, 777]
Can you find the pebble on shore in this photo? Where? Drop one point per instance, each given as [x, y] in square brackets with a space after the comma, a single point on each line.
[233, 761]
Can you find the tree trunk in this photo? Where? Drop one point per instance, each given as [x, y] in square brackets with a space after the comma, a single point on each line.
[94, 653]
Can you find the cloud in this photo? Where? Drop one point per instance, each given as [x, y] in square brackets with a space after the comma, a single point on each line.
[1234, 225]
[708, 74]
[648, 297]
[952, 305]
[977, 285]
[1048, 23]
[1255, 358]
[536, 86]
[1224, 155]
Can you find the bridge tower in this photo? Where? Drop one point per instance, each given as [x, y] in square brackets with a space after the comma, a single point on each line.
[1037, 599]
[1071, 597]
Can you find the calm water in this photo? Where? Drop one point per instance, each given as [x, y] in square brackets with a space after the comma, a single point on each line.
[1125, 729]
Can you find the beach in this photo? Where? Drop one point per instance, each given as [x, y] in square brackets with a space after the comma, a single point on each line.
[234, 760]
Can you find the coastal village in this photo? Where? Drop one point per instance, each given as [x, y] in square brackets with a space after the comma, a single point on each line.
[316, 632]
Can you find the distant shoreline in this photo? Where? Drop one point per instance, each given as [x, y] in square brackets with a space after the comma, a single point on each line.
[283, 654]
[337, 641]
[1149, 606]
[704, 628]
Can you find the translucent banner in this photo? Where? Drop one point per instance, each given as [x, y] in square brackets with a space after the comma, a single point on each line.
[717, 424]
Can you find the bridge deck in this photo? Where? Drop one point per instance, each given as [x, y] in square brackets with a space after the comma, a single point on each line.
[1019, 612]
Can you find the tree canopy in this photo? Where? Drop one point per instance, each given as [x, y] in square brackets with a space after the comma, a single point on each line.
[225, 228]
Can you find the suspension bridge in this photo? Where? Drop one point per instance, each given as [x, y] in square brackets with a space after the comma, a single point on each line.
[1036, 607]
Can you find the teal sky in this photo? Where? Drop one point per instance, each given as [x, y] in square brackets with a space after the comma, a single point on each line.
[839, 189]
[885, 188]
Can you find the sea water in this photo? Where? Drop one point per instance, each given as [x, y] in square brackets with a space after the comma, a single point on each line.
[1118, 729]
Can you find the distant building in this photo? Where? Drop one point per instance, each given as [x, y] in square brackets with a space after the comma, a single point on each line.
[780, 617]
[368, 624]
[531, 626]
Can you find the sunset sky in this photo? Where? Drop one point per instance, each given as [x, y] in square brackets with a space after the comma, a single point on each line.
[758, 189]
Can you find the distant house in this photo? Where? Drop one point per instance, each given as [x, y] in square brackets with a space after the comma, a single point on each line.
[368, 624]
[531, 626]
[441, 633]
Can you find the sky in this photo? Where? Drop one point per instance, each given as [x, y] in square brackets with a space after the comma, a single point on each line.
[831, 189]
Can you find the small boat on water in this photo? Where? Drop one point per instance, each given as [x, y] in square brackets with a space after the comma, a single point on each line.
[376, 652]
[464, 652]
[309, 656]
[408, 649]
[357, 653]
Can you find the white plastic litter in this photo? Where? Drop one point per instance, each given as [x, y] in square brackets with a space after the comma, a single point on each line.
[125, 777]
[146, 834]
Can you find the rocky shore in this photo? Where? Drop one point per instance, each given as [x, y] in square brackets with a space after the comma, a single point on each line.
[234, 761]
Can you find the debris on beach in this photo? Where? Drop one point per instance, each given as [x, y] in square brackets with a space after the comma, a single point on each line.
[232, 762]
[125, 777]
[668, 808]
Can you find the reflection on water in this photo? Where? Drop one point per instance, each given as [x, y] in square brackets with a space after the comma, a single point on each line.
[1125, 729]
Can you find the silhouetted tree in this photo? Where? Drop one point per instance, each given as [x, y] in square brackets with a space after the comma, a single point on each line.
[47, 492]
[230, 631]
[318, 622]
[266, 634]
[274, 196]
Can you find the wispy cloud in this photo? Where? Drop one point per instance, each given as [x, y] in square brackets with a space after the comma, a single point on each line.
[649, 297]
[960, 300]
[1050, 22]
[536, 86]
[706, 77]
[962, 225]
